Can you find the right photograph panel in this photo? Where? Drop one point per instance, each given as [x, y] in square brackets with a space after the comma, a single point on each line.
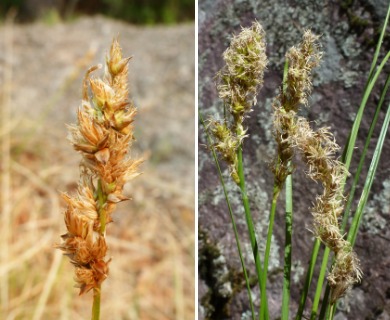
[293, 178]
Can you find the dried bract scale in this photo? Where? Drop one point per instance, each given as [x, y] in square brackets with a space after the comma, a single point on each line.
[102, 135]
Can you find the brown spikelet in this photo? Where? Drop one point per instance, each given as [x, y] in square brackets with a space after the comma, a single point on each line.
[102, 135]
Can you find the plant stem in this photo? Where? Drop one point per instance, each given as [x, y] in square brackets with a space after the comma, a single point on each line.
[364, 152]
[309, 276]
[101, 198]
[96, 304]
[251, 229]
[102, 212]
[320, 283]
[287, 249]
[369, 180]
[275, 196]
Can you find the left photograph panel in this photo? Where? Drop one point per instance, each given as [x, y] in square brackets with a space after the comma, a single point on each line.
[97, 161]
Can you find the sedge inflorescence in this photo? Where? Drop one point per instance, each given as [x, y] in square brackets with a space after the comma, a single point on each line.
[296, 88]
[238, 83]
[102, 135]
[318, 149]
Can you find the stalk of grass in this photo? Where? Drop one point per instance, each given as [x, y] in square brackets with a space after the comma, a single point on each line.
[309, 277]
[364, 152]
[320, 284]
[276, 192]
[288, 228]
[287, 249]
[252, 236]
[356, 125]
[222, 181]
[369, 180]
[275, 196]
[102, 135]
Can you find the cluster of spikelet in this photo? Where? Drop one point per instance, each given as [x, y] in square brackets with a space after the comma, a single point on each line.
[296, 88]
[238, 83]
[318, 151]
[102, 135]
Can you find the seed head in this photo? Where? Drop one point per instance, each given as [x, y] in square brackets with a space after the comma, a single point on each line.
[242, 76]
[102, 136]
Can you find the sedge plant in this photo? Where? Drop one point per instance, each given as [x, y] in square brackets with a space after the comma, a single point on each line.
[102, 135]
[238, 83]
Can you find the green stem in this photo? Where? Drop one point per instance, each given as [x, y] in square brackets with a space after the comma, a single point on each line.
[287, 249]
[251, 229]
[320, 283]
[96, 304]
[369, 180]
[102, 212]
[101, 198]
[364, 152]
[309, 276]
[275, 196]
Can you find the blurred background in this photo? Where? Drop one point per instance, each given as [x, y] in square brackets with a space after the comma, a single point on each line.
[45, 49]
[134, 11]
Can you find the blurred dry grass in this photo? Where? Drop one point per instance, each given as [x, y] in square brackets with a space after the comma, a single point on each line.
[152, 240]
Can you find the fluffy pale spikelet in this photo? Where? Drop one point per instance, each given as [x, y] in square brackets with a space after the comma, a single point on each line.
[242, 76]
[227, 144]
[238, 83]
[318, 149]
[301, 61]
[102, 135]
[296, 88]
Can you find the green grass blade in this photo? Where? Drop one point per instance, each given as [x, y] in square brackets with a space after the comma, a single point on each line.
[321, 277]
[221, 179]
[324, 313]
[287, 249]
[268, 249]
[369, 180]
[251, 229]
[359, 115]
[363, 156]
[309, 277]
[379, 44]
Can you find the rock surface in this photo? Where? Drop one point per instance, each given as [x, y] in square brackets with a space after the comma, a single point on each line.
[349, 33]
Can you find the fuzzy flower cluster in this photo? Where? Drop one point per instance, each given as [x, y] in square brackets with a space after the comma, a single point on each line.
[102, 135]
[238, 83]
[318, 149]
[296, 88]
